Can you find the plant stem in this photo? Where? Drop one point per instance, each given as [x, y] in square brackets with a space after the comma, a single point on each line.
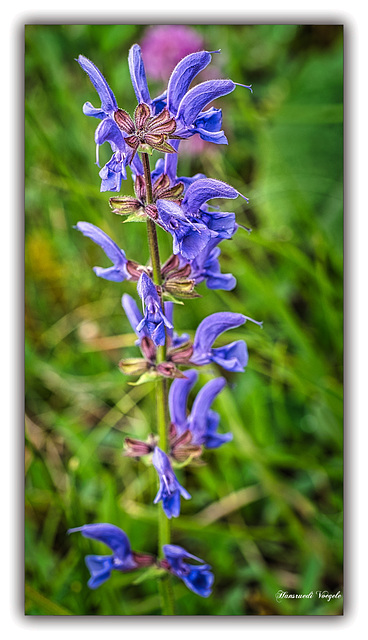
[165, 586]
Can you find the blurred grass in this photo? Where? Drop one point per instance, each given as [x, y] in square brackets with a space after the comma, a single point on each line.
[266, 510]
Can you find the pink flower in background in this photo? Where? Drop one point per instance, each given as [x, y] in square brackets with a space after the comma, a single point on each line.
[163, 46]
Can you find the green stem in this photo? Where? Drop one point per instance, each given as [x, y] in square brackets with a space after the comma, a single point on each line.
[165, 586]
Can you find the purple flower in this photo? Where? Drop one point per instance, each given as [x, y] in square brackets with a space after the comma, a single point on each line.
[206, 266]
[198, 578]
[189, 237]
[154, 319]
[187, 104]
[164, 45]
[170, 490]
[118, 272]
[122, 559]
[192, 226]
[108, 131]
[234, 356]
[202, 422]
[134, 316]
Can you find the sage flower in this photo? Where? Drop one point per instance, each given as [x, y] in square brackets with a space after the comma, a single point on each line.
[198, 578]
[108, 131]
[191, 227]
[233, 356]
[189, 237]
[201, 422]
[122, 559]
[118, 272]
[154, 319]
[170, 490]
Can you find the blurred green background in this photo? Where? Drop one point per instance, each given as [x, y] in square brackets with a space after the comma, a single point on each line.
[266, 509]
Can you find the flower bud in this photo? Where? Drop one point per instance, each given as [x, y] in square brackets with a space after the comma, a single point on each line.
[169, 370]
[182, 288]
[182, 355]
[184, 272]
[133, 366]
[170, 265]
[140, 188]
[148, 349]
[151, 211]
[135, 270]
[125, 205]
[137, 448]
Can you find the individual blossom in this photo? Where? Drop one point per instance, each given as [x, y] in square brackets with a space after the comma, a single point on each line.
[191, 226]
[108, 130]
[197, 577]
[189, 237]
[122, 268]
[201, 422]
[135, 318]
[187, 104]
[154, 319]
[175, 343]
[234, 356]
[170, 490]
[123, 558]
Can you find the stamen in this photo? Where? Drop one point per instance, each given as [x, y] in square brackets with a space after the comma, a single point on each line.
[247, 86]
[260, 324]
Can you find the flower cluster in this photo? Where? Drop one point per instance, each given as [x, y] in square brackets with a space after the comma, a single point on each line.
[180, 206]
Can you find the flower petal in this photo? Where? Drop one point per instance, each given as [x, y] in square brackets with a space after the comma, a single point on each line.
[110, 535]
[138, 75]
[232, 357]
[201, 406]
[108, 101]
[178, 396]
[212, 326]
[204, 189]
[118, 272]
[182, 76]
[100, 568]
[198, 97]
[134, 315]
[90, 110]
[108, 131]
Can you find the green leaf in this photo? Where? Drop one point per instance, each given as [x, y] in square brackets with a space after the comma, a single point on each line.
[172, 298]
[150, 376]
[135, 218]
